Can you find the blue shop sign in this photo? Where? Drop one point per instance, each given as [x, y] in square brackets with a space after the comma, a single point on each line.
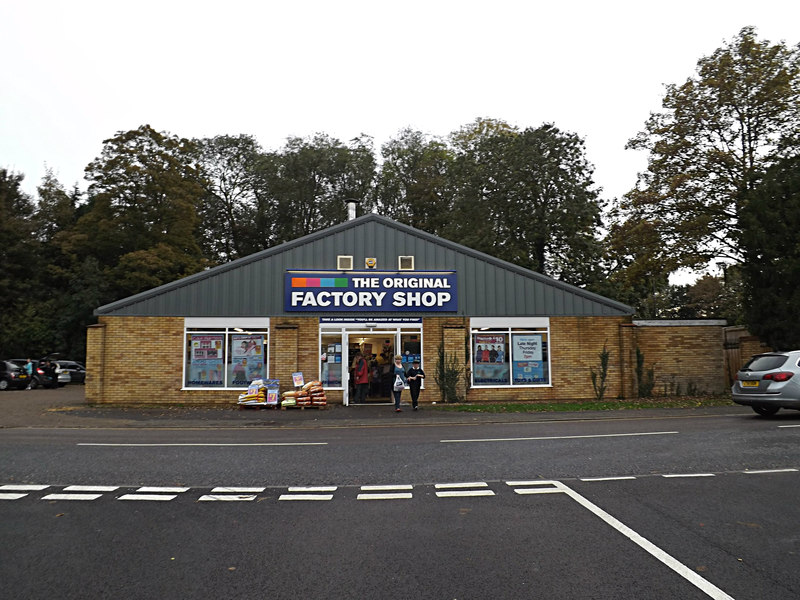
[370, 291]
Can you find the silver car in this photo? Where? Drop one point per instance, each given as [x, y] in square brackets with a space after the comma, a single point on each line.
[769, 382]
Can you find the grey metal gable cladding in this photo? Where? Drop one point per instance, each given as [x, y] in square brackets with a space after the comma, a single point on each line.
[253, 286]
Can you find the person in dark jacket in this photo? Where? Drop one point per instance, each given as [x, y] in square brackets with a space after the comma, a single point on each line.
[415, 375]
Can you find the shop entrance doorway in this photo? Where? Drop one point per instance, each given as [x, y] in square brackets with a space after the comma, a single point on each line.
[378, 349]
[379, 342]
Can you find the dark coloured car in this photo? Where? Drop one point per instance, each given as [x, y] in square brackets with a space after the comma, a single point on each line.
[40, 378]
[769, 382]
[75, 369]
[12, 376]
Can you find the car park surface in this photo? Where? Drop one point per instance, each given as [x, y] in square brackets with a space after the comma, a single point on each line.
[768, 382]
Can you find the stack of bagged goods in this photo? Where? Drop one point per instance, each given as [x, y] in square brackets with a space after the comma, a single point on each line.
[289, 398]
[316, 393]
[256, 393]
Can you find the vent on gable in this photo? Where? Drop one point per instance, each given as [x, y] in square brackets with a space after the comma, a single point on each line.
[405, 263]
[344, 263]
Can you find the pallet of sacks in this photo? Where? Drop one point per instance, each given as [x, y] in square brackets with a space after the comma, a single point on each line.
[255, 395]
[310, 395]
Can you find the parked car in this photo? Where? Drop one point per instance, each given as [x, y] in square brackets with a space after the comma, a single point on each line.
[12, 376]
[62, 375]
[75, 369]
[769, 382]
[40, 377]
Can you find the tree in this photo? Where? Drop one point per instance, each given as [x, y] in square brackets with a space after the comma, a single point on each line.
[144, 196]
[19, 257]
[233, 212]
[414, 181]
[309, 182]
[534, 190]
[712, 143]
[771, 245]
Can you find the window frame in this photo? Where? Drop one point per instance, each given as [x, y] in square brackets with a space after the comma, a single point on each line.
[511, 327]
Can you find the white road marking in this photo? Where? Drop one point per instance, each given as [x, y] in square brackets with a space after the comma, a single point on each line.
[530, 482]
[706, 586]
[167, 490]
[386, 496]
[560, 437]
[91, 488]
[204, 444]
[227, 498]
[148, 497]
[324, 488]
[11, 487]
[237, 490]
[788, 425]
[447, 486]
[306, 497]
[606, 478]
[464, 493]
[674, 475]
[11, 496]
[71, 496]
[385, 488]
[529, 491]
[770, 471]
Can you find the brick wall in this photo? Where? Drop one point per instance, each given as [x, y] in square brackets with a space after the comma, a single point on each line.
[684, 359]
[139, 360]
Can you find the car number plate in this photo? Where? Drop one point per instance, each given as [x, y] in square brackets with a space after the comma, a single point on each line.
[750, 384]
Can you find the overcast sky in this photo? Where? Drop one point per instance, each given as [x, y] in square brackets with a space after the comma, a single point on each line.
[75, 73]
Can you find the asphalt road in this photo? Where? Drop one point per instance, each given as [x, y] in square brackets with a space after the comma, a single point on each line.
[636, 504]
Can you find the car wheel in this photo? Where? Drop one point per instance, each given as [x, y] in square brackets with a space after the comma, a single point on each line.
[765, 411]
[34, 383]
[3, 384]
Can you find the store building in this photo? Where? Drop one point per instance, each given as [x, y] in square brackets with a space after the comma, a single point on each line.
[369, 284]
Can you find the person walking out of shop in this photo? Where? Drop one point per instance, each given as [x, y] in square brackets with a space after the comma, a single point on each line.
[362, 378]
[400, 381]
[415, 376]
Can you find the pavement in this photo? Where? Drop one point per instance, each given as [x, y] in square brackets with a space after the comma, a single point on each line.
[66, 407]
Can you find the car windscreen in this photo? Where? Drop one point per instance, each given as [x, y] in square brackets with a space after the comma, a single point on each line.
[765, 362]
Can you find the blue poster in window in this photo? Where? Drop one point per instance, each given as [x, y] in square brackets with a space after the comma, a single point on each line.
[527, 364]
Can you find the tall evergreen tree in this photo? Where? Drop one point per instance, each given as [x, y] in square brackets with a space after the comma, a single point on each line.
[771, 242]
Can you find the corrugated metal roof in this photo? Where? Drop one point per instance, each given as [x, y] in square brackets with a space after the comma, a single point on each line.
[253, 285]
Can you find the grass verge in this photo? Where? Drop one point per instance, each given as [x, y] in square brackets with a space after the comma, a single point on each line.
[566, 406]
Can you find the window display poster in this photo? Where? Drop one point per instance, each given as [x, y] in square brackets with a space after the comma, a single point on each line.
[297, 379]
[490, 348]
[247, 358]
[206, 362]
[528, 366]
[527, 347]
[490, 366]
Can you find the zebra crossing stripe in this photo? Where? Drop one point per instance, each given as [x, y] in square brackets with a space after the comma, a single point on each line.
[446, 486]
[166, 490]
[227, 498]
[306, 497]
[71, 496]
[11, 496]
[91, 488]
[149, 497]
[12, 487]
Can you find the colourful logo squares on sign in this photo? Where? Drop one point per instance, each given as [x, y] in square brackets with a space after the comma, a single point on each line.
[319, 282]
